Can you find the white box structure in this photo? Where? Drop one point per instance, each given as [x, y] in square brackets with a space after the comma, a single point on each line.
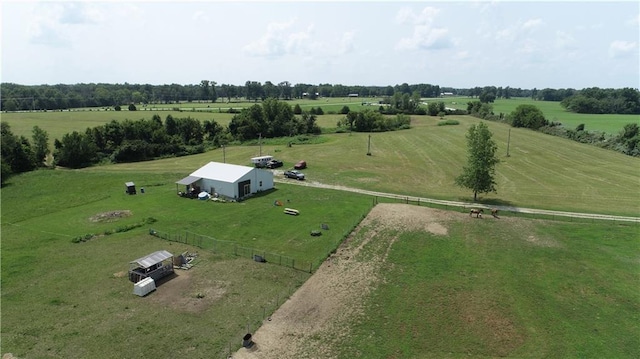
[144, 287]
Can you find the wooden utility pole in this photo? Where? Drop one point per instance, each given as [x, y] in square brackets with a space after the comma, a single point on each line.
[508, 142]
[369, 147]
[224, 154]
[260, 142]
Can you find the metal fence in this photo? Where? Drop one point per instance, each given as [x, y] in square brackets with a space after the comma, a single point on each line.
[229, 247]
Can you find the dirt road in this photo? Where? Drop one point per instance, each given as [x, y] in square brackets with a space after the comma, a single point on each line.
[462, 204]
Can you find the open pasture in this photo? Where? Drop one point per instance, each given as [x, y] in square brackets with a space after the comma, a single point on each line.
[541, 171]
[498, 288]
[553, 111]
[480, 287]
[427, 283]
[55, 292]
[58, 123]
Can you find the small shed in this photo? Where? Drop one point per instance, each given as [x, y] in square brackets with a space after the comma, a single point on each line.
[131, 188]
[155, 265]
[144, 287]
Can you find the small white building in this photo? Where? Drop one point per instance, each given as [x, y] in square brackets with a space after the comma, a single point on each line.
[228, 180]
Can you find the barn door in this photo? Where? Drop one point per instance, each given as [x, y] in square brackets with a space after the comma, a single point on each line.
[244, 188]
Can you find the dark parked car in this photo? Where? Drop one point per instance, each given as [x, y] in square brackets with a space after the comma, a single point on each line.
[294, 174]
[274, 164]
[300, 165]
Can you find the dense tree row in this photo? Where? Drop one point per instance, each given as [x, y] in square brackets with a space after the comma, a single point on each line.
[273, 118]
[18, 154]
[131, 141]
[373, 121]
[624, 101]
[56, 97]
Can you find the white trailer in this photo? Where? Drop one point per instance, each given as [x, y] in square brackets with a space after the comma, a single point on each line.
[261, 161]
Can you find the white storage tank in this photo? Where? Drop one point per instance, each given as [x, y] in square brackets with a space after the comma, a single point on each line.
[144, 287]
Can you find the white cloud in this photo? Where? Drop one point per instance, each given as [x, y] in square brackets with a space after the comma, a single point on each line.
[279, 40]
[528, 47]
[426, 16]
[425, 36]
[531, 24]
[347, 42]
[55, 24]
[200, 16]
[45, 29]
[620, 48]
[504, 34]
[461, 55]
[565, 41]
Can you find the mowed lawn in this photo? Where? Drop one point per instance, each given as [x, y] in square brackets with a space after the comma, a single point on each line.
[73, 300]
[541, 171]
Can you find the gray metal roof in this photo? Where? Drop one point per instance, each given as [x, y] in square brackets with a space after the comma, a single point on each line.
[224, 172]
[189, 180]
[153, 258]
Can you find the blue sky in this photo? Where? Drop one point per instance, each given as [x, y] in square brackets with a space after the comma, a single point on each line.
[459, 44]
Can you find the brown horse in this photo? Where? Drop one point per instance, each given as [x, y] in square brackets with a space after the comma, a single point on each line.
[477, 212]
[494, 212]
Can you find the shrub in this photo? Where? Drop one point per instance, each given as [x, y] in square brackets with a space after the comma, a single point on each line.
[448, 122]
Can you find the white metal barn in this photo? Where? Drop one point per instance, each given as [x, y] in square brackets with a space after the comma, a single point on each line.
[228, 180]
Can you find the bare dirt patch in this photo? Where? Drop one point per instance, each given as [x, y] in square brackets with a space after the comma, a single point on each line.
[187, 292]
[325, 304]
[111, 216]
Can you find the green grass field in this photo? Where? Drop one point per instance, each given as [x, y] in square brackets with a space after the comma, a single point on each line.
[55, 292]
[541, 172]
[610, 124]
[58, 123]
[571, 292]
[487, 290]
[517, 289]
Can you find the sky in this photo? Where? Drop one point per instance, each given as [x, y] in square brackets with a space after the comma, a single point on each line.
[459, 44]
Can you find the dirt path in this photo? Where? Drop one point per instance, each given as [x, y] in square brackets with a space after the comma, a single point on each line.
[464, 204]
[322, 308]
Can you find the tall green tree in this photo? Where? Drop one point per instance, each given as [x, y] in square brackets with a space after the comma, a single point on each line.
[40, 139]
[214, 93]
[75, 150]
[479, 173]
[528, 116]
[17, 152]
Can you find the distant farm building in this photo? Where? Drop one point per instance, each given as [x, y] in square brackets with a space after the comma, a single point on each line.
[443, 94]
[353, 95]
[227, 180]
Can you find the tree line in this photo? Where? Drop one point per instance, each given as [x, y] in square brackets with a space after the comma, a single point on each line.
[146, 139]
[59, 97]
